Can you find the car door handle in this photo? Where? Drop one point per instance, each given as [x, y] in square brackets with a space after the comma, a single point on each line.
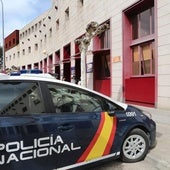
[65, 127]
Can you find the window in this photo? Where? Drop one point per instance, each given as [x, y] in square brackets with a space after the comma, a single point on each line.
[14, 41]
[45, 38]
[143, 24]
[57, 24]
[102, 40]
[20, 98]
[40, 22]
[105, 39]
[66, 99]
[32, 28]
[70, 99]
[29, 49]
[56, 8]
[80, 3]
[67, 13]
[23, 52]
[36, 26]
[103, 71]
[36, 47]
[50, 32]
[29, 31]
[41, 43]
[18, 54]
[143, 59]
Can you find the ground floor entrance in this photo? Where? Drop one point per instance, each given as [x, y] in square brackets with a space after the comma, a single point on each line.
[101, 72]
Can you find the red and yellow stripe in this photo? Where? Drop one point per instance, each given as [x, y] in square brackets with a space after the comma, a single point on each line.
[103, 139]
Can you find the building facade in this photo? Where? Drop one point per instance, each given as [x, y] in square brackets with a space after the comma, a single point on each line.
[129, 61]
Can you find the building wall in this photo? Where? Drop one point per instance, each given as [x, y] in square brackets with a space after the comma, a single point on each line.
[66, 29]
[12, 40]
[163, 16]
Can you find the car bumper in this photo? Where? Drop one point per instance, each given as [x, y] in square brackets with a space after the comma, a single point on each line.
[153, 141]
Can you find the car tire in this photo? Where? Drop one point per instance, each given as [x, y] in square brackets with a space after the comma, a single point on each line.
[135, 146]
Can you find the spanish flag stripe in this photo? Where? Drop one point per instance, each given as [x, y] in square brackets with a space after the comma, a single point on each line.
[112, 136]
[101, 143]
[85, 154]
[103, 139]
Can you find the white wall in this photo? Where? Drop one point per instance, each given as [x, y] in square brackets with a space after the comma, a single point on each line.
[163, 14]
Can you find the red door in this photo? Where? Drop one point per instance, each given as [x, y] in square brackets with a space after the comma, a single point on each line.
[102, 82]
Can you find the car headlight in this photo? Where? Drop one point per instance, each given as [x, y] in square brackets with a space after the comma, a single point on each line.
[147, 113]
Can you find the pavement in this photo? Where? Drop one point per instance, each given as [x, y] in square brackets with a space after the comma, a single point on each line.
[160, 155]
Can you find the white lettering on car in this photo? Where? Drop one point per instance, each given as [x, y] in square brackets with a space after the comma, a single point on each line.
[40, 147]
[130, 114]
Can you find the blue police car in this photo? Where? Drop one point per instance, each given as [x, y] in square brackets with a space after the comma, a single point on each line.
[48, 124]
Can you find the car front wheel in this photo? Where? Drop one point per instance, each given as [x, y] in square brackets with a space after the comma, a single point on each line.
[135, 146]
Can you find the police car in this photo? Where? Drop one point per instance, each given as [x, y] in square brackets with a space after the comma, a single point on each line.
[48, 124]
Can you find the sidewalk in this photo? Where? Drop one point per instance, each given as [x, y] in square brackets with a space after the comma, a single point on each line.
[159, 115]
[160, 156]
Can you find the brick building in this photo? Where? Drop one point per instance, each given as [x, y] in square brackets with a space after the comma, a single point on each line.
[129, 62]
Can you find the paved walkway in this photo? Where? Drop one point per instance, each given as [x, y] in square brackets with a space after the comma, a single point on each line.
[159, 115]
[160, 155]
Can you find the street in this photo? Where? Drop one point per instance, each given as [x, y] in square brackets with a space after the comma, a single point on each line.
[158, 158]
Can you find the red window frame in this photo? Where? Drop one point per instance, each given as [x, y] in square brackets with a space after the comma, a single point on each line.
[140, 39]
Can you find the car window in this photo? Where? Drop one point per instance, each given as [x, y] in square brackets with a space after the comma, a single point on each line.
[20, 98]
[69, 99]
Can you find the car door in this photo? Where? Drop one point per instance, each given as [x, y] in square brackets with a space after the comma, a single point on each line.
[83, 123]
[25, 134]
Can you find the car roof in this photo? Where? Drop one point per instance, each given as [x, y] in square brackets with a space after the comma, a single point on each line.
[49, 78]
[28, 76]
